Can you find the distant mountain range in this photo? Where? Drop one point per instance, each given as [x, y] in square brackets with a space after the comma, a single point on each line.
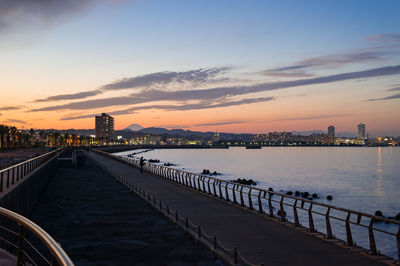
[135, 129]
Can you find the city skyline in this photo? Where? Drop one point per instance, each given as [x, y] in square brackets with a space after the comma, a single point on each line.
[240, 67]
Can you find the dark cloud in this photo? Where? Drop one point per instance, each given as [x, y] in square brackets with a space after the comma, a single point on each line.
[26, 12]
[10, 108]
[294, 74]
[217, 93]
[384, 37]
[385, 46]
[314, 117]
[184, 107]
[164, 79]
[17, 121]
[329, 61]
[394, 89]
[72, 96]
[391, 97]
[221, 123]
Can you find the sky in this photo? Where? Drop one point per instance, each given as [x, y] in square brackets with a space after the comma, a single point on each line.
[226, 65]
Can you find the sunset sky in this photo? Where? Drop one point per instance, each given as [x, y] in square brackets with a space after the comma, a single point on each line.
[217, 65]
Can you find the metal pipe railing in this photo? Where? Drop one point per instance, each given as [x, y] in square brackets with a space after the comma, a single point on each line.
[26, 226]
[258, 198]
[11, 175]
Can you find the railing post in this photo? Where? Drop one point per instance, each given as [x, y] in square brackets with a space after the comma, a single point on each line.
[310, 218]
[176, 216]
[283, 213]
[204, 185]
[215, 189]
[348, 230]
[241, 196]
[328, 224]
[226, 192]
[208, 186]
[250, 201]
[199, 231]
[1, 181]
[220, 190]
[187, 222]
[8, 178]
[296, 217]
[271, 213]
[198, 182]
[234, 194]
[235, 256]
[21, 242]
[372, 245]
[13, 176]
[260, 208]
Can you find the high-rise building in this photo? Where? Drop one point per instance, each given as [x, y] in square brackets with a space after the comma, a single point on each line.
[105, 127]
[361, 130]
[331, 131]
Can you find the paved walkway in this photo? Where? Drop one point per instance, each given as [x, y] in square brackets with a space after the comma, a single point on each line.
[98, 221]
[258, 240]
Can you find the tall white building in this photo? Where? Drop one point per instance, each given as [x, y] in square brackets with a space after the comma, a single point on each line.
[361, 130]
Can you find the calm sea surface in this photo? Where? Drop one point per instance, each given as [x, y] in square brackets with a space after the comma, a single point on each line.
[359, 178]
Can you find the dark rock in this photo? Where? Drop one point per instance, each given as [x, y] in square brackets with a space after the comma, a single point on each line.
[310, 198]
[244, 181]
[289, 193]
[305, 194]
[397, 217]
[329, 197]
[270, 189]
[379, 213]
[297, 193]
[315, 195]
[281, 213]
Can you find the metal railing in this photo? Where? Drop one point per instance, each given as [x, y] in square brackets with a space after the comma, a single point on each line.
[231, 255]
[11, 175]
[28, 242]
[334, 222]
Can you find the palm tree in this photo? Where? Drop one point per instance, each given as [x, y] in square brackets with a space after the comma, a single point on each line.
[3, 129]
[13, 133]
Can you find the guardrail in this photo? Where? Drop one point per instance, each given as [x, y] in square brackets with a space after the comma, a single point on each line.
[349, 225]
[30, 243]
[11, 175]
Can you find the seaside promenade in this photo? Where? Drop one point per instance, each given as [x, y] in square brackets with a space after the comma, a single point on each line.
[98, 221]
[258, 239]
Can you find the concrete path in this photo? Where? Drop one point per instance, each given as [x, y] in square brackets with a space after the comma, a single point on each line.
[98, 221]
[257, 239]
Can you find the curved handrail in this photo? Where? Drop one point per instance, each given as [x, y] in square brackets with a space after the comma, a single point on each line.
[55, 249]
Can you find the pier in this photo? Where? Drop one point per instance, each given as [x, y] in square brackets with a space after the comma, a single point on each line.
[107, 211]
[259, 240]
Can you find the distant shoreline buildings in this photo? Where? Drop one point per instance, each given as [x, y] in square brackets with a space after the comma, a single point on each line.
[105, 134]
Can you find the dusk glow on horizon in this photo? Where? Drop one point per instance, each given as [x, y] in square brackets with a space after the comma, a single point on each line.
[226, 66]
